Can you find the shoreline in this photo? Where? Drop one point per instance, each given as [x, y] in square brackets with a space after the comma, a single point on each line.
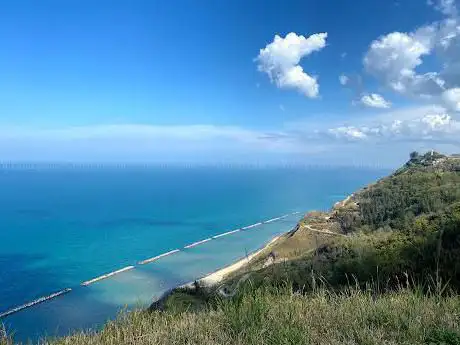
[214, 278]
[218, 276]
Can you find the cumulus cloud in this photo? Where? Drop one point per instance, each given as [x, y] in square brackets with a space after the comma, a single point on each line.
[437, 121]
[343, 79]
[280, 61]
[420, 124]
[375, 100]
[394, 59]
[209, 143]
[451, 98]
[347, 133]
[432, 126]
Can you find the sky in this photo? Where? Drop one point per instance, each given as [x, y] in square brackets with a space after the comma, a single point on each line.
[228, 82]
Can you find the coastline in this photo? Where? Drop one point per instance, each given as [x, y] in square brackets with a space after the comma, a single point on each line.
[216, 277]
[219, 275]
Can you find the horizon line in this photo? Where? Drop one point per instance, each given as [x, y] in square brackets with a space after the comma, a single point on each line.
[25, 165]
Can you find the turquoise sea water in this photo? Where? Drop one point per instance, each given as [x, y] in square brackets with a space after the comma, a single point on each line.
[62, 226]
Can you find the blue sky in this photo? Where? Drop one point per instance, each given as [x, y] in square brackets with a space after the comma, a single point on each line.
[188, 81]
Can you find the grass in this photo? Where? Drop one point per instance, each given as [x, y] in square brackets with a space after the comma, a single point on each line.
[269, 315]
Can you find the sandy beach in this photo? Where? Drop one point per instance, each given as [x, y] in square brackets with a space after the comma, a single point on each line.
[219, 275]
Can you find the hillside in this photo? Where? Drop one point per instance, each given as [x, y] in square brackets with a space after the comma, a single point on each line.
[382, 267]
[404, 226]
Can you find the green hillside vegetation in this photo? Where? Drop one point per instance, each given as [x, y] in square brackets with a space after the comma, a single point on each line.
[405, 227]
[382, 267]
[281, 316]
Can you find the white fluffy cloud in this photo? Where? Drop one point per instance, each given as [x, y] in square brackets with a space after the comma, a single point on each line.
[431, 126]
[403, 130]
[347, 133]
[209, 143]
[343, 79]
[375, 100]
[436, 121]
[280, 60]
[394, 58]
[451, 98]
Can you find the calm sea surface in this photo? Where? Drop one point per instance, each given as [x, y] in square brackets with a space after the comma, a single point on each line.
[62, 226]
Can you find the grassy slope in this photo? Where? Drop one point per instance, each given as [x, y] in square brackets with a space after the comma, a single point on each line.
[279, 316]
[400, 255]
[407, 224]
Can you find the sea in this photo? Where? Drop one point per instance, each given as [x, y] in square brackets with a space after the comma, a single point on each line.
[64, 225]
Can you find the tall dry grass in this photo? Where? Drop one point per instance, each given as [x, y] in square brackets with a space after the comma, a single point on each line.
[268, 315]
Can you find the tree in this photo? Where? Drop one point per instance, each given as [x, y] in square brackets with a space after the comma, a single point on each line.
[414, 156]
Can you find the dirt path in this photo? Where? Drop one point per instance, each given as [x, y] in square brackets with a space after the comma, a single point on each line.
[324, 231]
